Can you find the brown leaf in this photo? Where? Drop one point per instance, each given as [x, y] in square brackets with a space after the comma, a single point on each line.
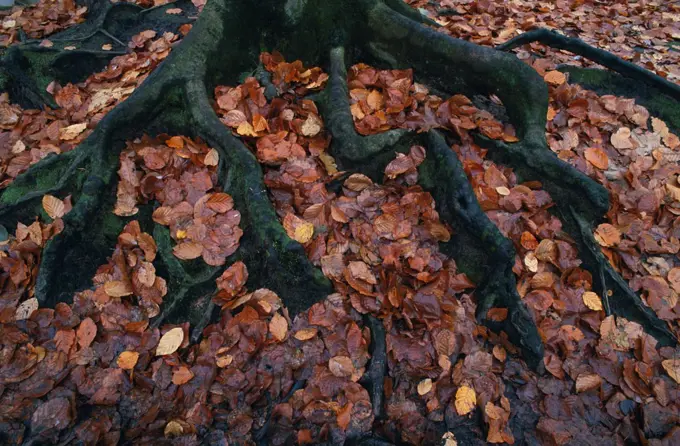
[607, 235]
[72, 131]
[298, 229]
[87, 331]
[672, 367]
[341, 366]
[117, 288]
[621, 139]
[182, 376]
[53, 206]
[585, 382]
[212, 158]
[305, 334]
[555, 78]
[188, 250]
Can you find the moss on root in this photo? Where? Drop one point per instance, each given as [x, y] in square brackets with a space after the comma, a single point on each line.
[226, 41]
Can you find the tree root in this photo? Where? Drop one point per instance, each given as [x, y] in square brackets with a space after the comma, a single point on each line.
[577, 46]
[175, 98]
[29, 67]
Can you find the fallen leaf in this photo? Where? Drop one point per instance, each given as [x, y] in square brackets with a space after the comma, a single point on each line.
[87, 331]
[424, 386]
[466, 400]
[182, 376]
[607, 235]
[585, 382]
[72, 131]
[170, 342]
[117, 288]
[555, 78]
[621, 139]
[597, 157]
[127, 360]
[173, 429]
[278, 327]
[188, 250]
[298, 229]
[212, 158]
[341, 366]
[25, 309]
[672, 367]
[305, 334]
[53, 206]
[592, 301]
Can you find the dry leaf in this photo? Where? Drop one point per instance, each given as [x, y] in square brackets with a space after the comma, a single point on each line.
[466, 400]
[305, 334]
[127, 360]
[672, 367]
[424, 386]
[117, 288]
[278, 327]
[592, 301]
[182, 376]
[341, 366]
[555, 78]
[25, 309]
[53, 206]
[531, 262]
[597, 157]
[170, 342]
[212, 158]
[585, 382]
[298, 229]
[607, 235]
[87, 331]
[72, 131]
[188, 250]
[621, 139]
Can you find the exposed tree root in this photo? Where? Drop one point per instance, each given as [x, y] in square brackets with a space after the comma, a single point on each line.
[175, 99]
[577, 46]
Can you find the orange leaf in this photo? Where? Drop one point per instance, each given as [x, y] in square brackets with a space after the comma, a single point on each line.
[341, 366]
[182, 376]
[298, 229]
[87, 330]
[305, 334]
[176, 142]
[278, 327]
[555, 78]
[127, 360]
[117, 288]
[607, 235]
[597, 157]
[220, 202]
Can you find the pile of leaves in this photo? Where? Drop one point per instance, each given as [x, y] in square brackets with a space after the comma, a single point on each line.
[27, 136]
[181, 175]
[641, 32]
[44, 18]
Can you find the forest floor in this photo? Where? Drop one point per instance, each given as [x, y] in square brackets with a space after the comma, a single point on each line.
[100, 370]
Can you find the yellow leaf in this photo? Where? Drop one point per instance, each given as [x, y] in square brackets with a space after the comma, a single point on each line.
[449, 439]
[555, 78]
[53, 206]
[672, 367]
[597, 157]
[592, 301]
[211, 158]
[502, 190]
[170, 342]
[245, 129]
[298, 229]
[305, 334]
[278, 327]
[127, 360]
[173, 429]
[424, 386]
[466, 400]
[72, 131]
[222, 358]
[499, 353]
[329, 163]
